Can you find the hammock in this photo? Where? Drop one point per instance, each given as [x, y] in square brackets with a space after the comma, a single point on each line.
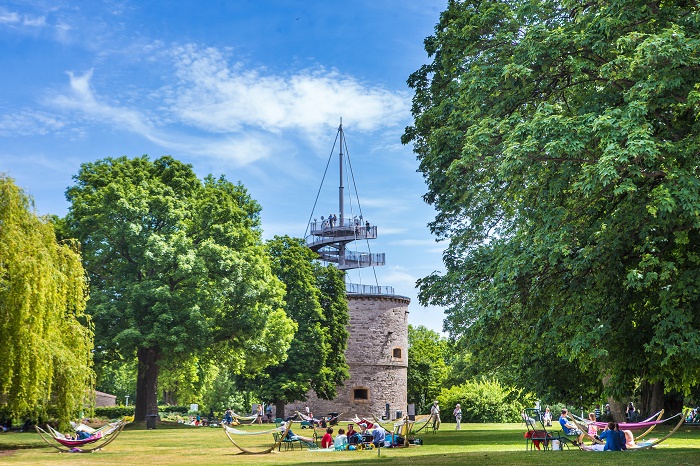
[239, 418]
[98, 440]
[315, 421]
[623, 426]
[650, 444]
[651, 421]
[283, 429]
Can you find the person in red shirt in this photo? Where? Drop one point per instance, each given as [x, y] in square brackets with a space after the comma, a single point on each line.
[352, 439]
[327, 440]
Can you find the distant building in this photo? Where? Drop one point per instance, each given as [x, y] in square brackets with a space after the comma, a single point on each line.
[105, 399]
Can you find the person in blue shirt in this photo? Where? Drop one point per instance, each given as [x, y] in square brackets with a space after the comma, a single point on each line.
[613, 440]
[378, 436]
[569, 428]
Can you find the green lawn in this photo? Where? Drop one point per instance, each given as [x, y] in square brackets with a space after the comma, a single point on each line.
[501, 444]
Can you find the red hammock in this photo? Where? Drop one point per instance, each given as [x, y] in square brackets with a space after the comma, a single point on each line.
[637, 425]
[79, 442]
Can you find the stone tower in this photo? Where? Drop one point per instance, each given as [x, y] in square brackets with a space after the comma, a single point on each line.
[377, 350]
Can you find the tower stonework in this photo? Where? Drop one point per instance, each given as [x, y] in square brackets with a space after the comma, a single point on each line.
[378, 358]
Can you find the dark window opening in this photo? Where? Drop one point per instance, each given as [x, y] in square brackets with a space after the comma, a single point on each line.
[360, 394]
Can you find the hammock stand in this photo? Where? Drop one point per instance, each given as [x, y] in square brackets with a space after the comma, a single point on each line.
[427, 421]
[228, 431]
[403, 425]
[98, 440]
[673, 431]
[653, 424]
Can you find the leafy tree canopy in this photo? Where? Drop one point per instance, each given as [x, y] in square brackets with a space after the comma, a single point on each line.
[176, 266]
[427, 369]
[46, 365]
[559, 141]
[316, 301]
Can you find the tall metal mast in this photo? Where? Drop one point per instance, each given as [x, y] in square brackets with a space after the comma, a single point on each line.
[329, 239]
[341, 206]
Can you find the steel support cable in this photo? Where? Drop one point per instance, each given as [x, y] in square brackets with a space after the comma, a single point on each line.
[322, 180]
[359, 207]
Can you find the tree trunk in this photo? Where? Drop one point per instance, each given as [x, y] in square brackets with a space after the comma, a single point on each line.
[617, 409]
[279, 408]
[652, 398]
[673, 403]
[147, 383]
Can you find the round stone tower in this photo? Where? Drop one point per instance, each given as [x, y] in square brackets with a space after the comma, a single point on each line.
[377, 352]
[378, 358]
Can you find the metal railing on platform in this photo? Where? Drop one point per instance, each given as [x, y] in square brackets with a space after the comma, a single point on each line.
[355, 288]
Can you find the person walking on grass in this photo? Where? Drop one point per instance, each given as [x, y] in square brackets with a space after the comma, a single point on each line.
[458, 416]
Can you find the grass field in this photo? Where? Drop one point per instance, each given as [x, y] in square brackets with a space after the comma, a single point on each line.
[475, 444]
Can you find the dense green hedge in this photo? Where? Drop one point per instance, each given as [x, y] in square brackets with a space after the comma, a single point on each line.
[484, 401]
[114, 412]
[174, 409]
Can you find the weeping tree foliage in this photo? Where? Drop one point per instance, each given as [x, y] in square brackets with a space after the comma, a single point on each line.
[559, 141]
[176, 266]
[316, 301]
[46, 363]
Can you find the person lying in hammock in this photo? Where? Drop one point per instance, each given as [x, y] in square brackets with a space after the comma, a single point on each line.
[292, 436]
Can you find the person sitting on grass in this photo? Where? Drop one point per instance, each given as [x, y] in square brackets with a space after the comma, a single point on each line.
[341, 440]
[569, 428]
[327, 439]
[614, 439]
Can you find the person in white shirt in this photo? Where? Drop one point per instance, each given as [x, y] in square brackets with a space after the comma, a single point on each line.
[435, 415]
[457, 413]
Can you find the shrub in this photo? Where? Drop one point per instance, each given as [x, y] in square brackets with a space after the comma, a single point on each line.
[114, 412]
[484, 401]
[174, 409]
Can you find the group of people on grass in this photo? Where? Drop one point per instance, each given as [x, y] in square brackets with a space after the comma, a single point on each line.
[345, 440]
[615, 438]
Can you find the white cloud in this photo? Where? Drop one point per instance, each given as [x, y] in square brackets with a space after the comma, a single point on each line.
[30, 122]
[9, 17]
[235, 113]
[217, 96]
[12, 18]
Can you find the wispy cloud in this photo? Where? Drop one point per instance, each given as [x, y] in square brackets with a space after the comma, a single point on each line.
[217, 95]
[239, 112]
[29, 122]
[12, 18]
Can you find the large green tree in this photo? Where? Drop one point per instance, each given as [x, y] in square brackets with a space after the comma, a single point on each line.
[427, 369]
[559, 141]
[316, 300]
[46, 363]
[176, 265]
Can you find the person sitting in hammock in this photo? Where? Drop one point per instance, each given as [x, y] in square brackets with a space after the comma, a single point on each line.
[292, 436]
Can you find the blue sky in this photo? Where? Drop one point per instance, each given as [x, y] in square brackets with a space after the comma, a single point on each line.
[252, 89]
